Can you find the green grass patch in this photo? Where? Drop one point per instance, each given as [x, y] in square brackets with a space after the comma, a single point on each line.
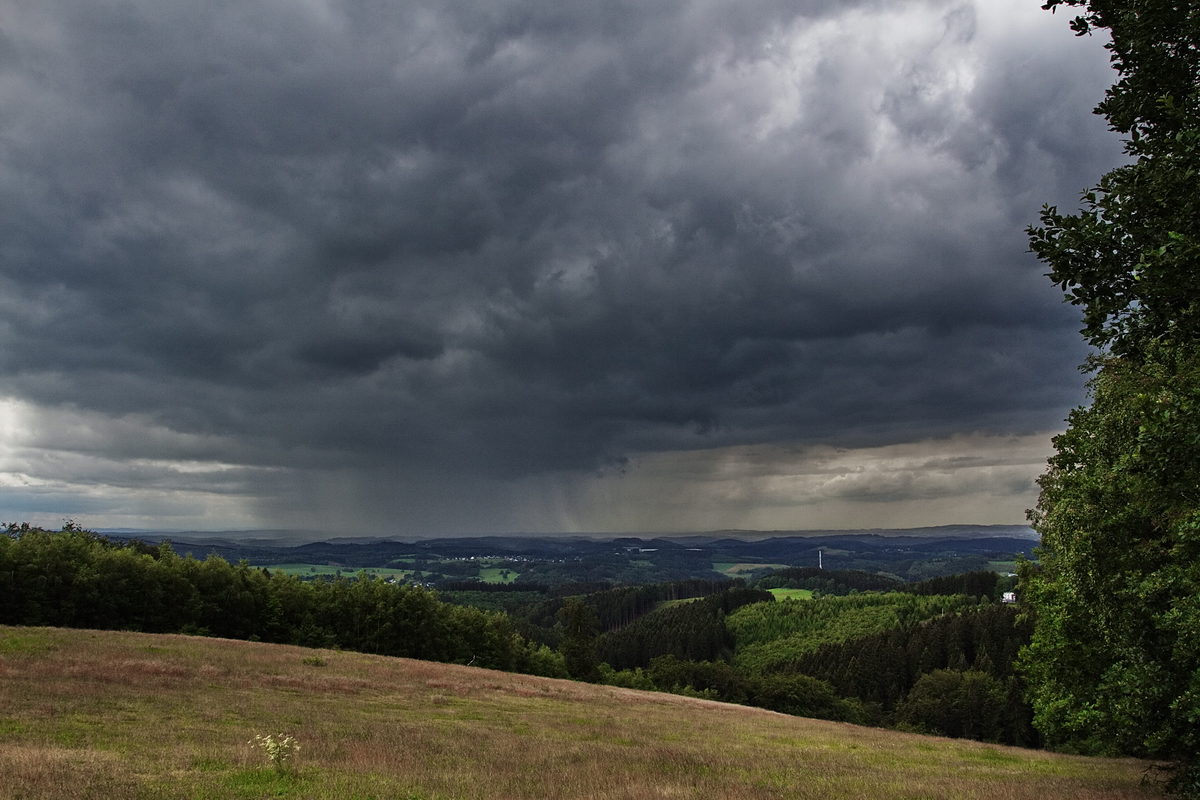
[24, 641]
[265, 783]
[12, 727]
[792, 594]
[497, 575]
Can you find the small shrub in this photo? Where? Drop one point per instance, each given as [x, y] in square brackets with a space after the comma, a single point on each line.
[279, 749]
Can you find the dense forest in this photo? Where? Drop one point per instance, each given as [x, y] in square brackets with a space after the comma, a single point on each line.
[939, 664]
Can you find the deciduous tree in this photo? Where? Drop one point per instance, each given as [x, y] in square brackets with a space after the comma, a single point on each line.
[1114, 665]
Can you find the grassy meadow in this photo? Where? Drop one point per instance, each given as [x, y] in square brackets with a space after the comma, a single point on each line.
[791, 594]
[498, 575]
[113, 715]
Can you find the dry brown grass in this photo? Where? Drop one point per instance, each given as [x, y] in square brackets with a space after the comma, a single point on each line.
[89, 714]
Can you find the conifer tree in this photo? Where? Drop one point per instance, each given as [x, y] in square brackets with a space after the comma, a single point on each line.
[578, 646]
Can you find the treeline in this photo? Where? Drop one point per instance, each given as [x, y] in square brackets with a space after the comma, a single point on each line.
[619, 607]
[834, 582]
[951, 675]
[969, 704]
[772, 636]
[74, 578]
[492, 588]
[841, 582]
[613, 568]
[787, 693]
[940, 664]
[980, 583]
[610, 608]
[693, 631]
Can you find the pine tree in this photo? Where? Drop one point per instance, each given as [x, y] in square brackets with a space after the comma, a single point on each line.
[578, 646]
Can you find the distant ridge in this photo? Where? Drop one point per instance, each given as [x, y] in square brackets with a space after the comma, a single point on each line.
[292, 538]
[935, 531]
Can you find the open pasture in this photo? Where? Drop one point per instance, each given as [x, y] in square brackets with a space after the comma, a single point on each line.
[114, 715]
[498, 575]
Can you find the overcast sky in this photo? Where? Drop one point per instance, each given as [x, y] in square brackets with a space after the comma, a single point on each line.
[476, 266]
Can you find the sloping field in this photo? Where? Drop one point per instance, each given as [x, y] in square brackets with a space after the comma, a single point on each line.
[93, 714]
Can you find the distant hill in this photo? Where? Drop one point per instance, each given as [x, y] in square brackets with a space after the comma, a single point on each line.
[292, 538]
[910, 554]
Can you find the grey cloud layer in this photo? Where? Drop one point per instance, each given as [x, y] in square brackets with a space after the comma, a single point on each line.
[511, 237]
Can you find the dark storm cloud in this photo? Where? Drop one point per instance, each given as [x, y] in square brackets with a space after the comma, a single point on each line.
[511, 237]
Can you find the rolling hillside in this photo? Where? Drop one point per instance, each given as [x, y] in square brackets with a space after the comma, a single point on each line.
[99, 714]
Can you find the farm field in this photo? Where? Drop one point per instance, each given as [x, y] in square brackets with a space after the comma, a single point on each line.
[104, 714]
[314, 570]
[490, 570]
[736, 570]
[497, 575]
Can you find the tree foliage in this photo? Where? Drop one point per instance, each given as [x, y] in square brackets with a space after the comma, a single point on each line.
[884, 670]
[75, 578]
[836, 582]
[578, 646]
[1114, 663]
[877, 678]
[693, 630]
[792, 693]
[1128, 257]
[773, 636]
[980, 583]
[614, 608]
[966, 705]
